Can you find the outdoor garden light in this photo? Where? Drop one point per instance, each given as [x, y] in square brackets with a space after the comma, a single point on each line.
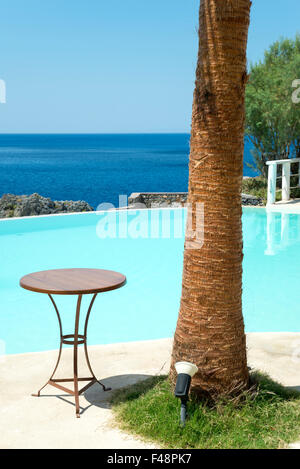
[185, 371]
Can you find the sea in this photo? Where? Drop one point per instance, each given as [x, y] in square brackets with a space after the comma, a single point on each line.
[96, 168]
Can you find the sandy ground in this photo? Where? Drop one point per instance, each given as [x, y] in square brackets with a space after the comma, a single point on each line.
[50, 422]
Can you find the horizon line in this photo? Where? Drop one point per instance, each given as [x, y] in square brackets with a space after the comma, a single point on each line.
[94, 133]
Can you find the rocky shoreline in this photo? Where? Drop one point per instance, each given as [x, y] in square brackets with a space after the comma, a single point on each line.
[33, 205]
[29, 205]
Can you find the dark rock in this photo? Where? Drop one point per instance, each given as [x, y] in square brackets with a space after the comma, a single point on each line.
[27, 205]
[157, 199]
[174, 199]
[251, 200]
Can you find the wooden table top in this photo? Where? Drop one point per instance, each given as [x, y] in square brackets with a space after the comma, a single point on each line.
[73, 281]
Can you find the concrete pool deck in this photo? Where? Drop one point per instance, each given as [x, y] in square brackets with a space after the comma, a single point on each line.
[291, 206]
[49, 421]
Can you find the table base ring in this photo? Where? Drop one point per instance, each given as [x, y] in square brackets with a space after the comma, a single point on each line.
[64, 339]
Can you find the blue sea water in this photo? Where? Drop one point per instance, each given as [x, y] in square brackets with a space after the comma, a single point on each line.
[96, 168]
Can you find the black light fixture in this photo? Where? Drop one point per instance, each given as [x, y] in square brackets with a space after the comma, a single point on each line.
[185, 371]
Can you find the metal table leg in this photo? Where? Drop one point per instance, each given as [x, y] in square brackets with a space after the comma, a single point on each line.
[75, 340]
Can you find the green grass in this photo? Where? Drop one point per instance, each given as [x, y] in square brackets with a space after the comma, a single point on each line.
[268, 416]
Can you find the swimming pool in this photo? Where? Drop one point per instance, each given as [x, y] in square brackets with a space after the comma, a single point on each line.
[151, 258]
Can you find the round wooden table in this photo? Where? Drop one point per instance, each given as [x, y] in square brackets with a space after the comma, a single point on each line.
[73, 282]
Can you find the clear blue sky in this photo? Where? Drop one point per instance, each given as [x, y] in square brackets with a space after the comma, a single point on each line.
[111, 65]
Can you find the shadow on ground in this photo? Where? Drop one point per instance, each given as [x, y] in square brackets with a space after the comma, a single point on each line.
[293, 388]
[95, 395]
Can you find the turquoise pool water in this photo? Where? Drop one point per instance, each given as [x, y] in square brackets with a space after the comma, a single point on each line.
[151, 258]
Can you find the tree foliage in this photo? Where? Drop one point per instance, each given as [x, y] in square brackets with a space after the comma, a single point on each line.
[272, 118]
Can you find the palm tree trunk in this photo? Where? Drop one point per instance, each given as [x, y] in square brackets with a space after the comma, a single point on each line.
[210, 327]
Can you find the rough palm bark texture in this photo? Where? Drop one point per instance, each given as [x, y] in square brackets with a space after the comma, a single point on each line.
[210, 327]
